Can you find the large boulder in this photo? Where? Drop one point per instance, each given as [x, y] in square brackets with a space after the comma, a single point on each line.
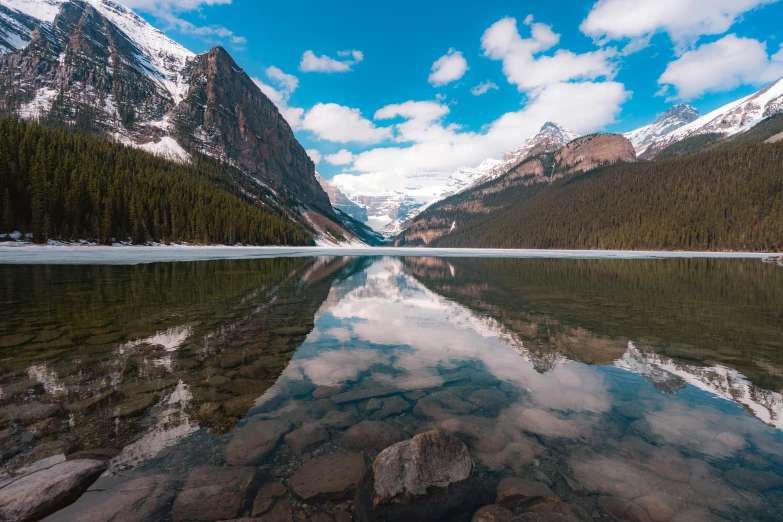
[254, 441]
[215, 493]
[40, 494]
[425, 478]
[332, 477]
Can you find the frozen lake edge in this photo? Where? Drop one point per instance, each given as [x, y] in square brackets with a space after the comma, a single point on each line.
[131, 255]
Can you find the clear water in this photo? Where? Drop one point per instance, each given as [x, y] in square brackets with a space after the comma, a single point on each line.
[626, 378]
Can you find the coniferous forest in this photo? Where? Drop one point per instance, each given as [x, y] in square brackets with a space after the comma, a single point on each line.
[723, 199]
[57, 184]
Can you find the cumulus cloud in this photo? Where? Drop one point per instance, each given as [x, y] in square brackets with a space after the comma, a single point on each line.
[333, 122]
[312, 63]
[720, 66]
[169, 11]
[529, 72]
[286, 84]
[448, 68]
[575, 90]
[684, 20]
[315, 155]
[483, 88]
[343, 157]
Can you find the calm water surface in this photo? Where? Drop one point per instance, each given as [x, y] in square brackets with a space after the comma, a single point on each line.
[621, 378]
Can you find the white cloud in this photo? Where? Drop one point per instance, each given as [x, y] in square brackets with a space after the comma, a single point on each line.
[169, 11]
[286, 84]
[574, 90]
[522, 68]
[289, 82]
[483, 88]
[332, 122]
[683, 20]
[343, 157]
[721, 66]
[315, 155]
[448, 68]
[312, 63]
[583, 107]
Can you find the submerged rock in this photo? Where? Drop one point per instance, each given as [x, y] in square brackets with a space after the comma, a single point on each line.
[621, 509]
[139, 500]
[40, 494]
[332, 477]
[254, 441]
[306, 438]
[214, 493]
[372, 436]
[516, 492]
[424, 478]
[493, 513]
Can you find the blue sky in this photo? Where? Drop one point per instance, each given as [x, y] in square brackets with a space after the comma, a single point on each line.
[360, 82]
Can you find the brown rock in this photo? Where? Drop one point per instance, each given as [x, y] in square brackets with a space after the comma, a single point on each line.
[94, 454]
[138, 500]
[254, 441]
[366, 393]
[306, 439]
[622, 509]
[392, 406]
[27, 413]
[338, 419]
[443, 404]
[239, 406]
[544, 423]
[753, 480]
[214, 493]
[92, 404]
[40, 494]
[516, 492]
[549, 507]
[545, 517]
[660, 506]
[332, 477]
[372, 436]
[489, 399]
[493, 513]
[136, 406]
[588, 152]
[733, 441]
[266, 497]
[480, 433]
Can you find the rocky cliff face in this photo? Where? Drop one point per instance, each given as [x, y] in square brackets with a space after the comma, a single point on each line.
[594, 150]
[579, 155]
[227, 116]
[341, 202]
[97, 65]
[644, 138]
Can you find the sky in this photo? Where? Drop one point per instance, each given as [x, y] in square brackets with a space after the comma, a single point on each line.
[380, 91]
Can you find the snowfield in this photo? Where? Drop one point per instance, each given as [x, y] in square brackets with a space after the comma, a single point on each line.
[133, 255]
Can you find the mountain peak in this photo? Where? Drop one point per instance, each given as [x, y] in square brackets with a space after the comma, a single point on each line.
[682, 111]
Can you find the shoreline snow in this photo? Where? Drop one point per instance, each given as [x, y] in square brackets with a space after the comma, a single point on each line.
[131, 255]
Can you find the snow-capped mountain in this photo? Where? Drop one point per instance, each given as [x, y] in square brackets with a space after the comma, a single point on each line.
[671, 120]
[390, 212]
[550, 138]
[731, 119]
[99, 66]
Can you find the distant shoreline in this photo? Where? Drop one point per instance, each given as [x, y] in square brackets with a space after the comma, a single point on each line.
[131, 255]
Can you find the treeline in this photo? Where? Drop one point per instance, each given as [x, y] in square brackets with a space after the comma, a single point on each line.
[724, 199]
[58, 184]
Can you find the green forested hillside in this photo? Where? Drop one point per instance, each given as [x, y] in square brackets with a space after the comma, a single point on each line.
[57, 184]
[724, 199]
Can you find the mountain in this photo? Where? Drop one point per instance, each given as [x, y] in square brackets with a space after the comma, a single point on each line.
[731, 120]
[341, 202]
[97, 66]
[645, 137]
[390, 212]
[723, 199]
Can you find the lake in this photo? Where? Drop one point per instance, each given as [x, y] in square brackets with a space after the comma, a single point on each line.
[582, 389]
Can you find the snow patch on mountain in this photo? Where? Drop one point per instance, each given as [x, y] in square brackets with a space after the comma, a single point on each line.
[731, 119]
[44, 10]
[671, 120]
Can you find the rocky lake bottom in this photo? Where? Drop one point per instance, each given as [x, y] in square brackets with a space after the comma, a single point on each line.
[392, 388]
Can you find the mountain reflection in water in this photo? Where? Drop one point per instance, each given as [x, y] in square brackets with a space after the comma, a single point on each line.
[652, 381]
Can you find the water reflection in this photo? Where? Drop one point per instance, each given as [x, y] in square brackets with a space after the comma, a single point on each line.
[621, 385]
